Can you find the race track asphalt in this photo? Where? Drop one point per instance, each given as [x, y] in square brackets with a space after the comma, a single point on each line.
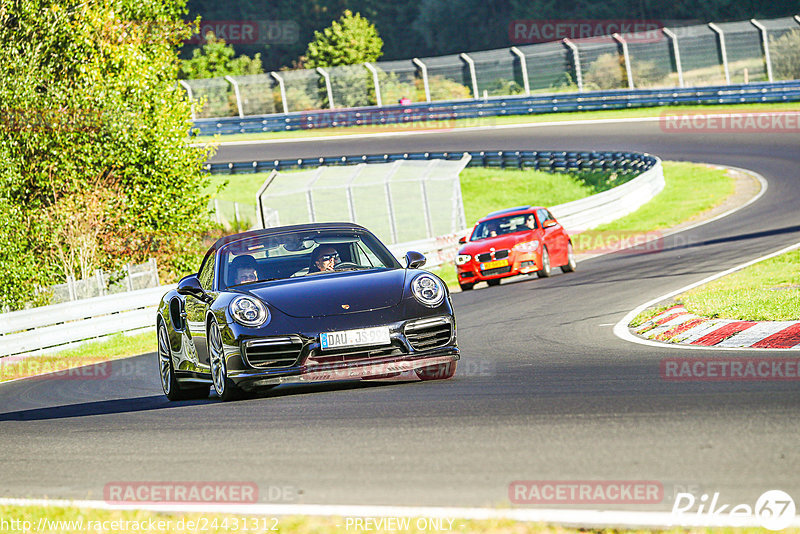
[545, 391]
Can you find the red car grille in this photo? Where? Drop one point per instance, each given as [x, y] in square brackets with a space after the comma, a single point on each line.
[499, 270]
[498, 255]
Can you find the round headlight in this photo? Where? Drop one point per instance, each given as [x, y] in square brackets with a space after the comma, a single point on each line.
[248, 311]
[461, 259]
[428, 290]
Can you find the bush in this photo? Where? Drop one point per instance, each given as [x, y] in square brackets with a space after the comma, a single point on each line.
[606, 72]
[442, 89]
[785, 55]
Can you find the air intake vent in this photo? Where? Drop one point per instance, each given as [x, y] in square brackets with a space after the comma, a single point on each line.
[276, 352]
[429, 333]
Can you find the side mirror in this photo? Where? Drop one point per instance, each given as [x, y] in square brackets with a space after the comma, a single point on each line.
[549, 223]
[462, 240]
[190, 285]
[414, 260]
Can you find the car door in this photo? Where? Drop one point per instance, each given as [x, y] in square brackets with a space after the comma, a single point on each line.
[196, 311]
[553, 237]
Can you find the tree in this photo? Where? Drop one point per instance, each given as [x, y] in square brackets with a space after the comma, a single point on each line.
[350, 40]
[216, 59]
[96, 168]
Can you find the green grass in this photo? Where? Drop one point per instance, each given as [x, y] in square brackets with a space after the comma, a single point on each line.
[514, 119]
[111, 348]
[177, 523]
[766, 291]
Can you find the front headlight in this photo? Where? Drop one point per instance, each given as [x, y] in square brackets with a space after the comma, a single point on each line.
[527, 246]
[428, 290]
[461, 259]
[248, 311]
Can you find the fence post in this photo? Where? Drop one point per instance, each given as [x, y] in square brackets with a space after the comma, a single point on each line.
[282, 86]
[71, 288]
[389, 204]
[324, 74]
[473, 77]
[101, 283]
[628, 71]
[191, 96]
[216, 211]
[765, 44]
[524, 66]
[236, 92]
[236, 217]
[723, 50]
[424, 69]
[154, 266]
[576, 57]
[375, 82]
[677, 54]
[128, 277]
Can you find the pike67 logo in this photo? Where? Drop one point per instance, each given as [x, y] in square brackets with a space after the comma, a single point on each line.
[774, 509]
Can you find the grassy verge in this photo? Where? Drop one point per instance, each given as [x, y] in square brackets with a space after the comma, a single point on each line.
[46, 520]
[499, 121]
[766, 291]
[115, 347]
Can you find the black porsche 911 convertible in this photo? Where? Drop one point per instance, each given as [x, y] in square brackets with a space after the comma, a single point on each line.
[301, 304]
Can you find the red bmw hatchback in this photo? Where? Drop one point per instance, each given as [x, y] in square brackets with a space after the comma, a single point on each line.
[522, 240]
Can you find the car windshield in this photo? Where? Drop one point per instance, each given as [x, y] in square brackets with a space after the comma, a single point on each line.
[288, 255]
[504, 225]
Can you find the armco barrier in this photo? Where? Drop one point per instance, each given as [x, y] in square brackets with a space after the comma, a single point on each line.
[70, 322]
[392, 117]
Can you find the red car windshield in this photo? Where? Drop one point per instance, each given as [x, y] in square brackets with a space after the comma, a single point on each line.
[504, 225]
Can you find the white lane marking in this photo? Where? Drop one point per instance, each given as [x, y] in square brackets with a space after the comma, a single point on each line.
[621, 328]
[564, 517]
[755, 333]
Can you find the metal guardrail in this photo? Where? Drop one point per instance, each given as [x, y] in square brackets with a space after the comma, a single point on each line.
[394, 117]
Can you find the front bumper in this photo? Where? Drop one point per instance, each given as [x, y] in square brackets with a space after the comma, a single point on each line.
[518, 263]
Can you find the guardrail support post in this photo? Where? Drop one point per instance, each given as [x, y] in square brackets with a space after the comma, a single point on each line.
[328, 87]
[101, 284]
[723, 50]
[576, 57]
[676, 53]
[765, 44]
[71, 288]
[524, 66]
[154, 266]
[191, 96]
[424, 70]
[282, 86]
[238, 95]
[375, 82]
[473, 78]
[628, 71]
[128, 277]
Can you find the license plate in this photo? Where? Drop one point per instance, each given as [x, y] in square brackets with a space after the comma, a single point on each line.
[493, 264]
[378, 335]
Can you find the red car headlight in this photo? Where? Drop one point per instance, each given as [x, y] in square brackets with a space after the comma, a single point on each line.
[527, 246]
[462, 259]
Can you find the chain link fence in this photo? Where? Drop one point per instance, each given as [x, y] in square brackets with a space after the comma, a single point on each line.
[688, 56]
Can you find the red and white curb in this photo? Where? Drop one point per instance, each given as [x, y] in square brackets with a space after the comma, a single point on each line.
[677, 325]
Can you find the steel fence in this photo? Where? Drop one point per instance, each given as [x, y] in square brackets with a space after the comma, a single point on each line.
[695, 56]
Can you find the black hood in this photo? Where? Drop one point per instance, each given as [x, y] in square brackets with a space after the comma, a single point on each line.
[335, 293]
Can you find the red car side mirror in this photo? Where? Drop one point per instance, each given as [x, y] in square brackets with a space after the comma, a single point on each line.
[462, 240]
[549, 223]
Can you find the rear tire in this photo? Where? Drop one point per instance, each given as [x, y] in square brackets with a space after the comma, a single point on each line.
[466, 287]
[172, 388]
[571, 264]
[441, 371]
[545, 270]
[226, 389]
[493, 282]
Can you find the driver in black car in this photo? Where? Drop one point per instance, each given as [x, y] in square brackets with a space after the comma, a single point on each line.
[324, 259]
[243, 269]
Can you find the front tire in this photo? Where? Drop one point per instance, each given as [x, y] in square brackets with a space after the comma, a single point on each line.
[545, 270]
[441, 371]
[225, 388]
[172, 388]
[571, 264]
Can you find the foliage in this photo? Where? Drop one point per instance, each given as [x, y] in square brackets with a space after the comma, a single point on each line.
[442, 89]
[350, 40]
[96, 169]
[606, 72]
[503, 87]
[785, 55]
[216, 59]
